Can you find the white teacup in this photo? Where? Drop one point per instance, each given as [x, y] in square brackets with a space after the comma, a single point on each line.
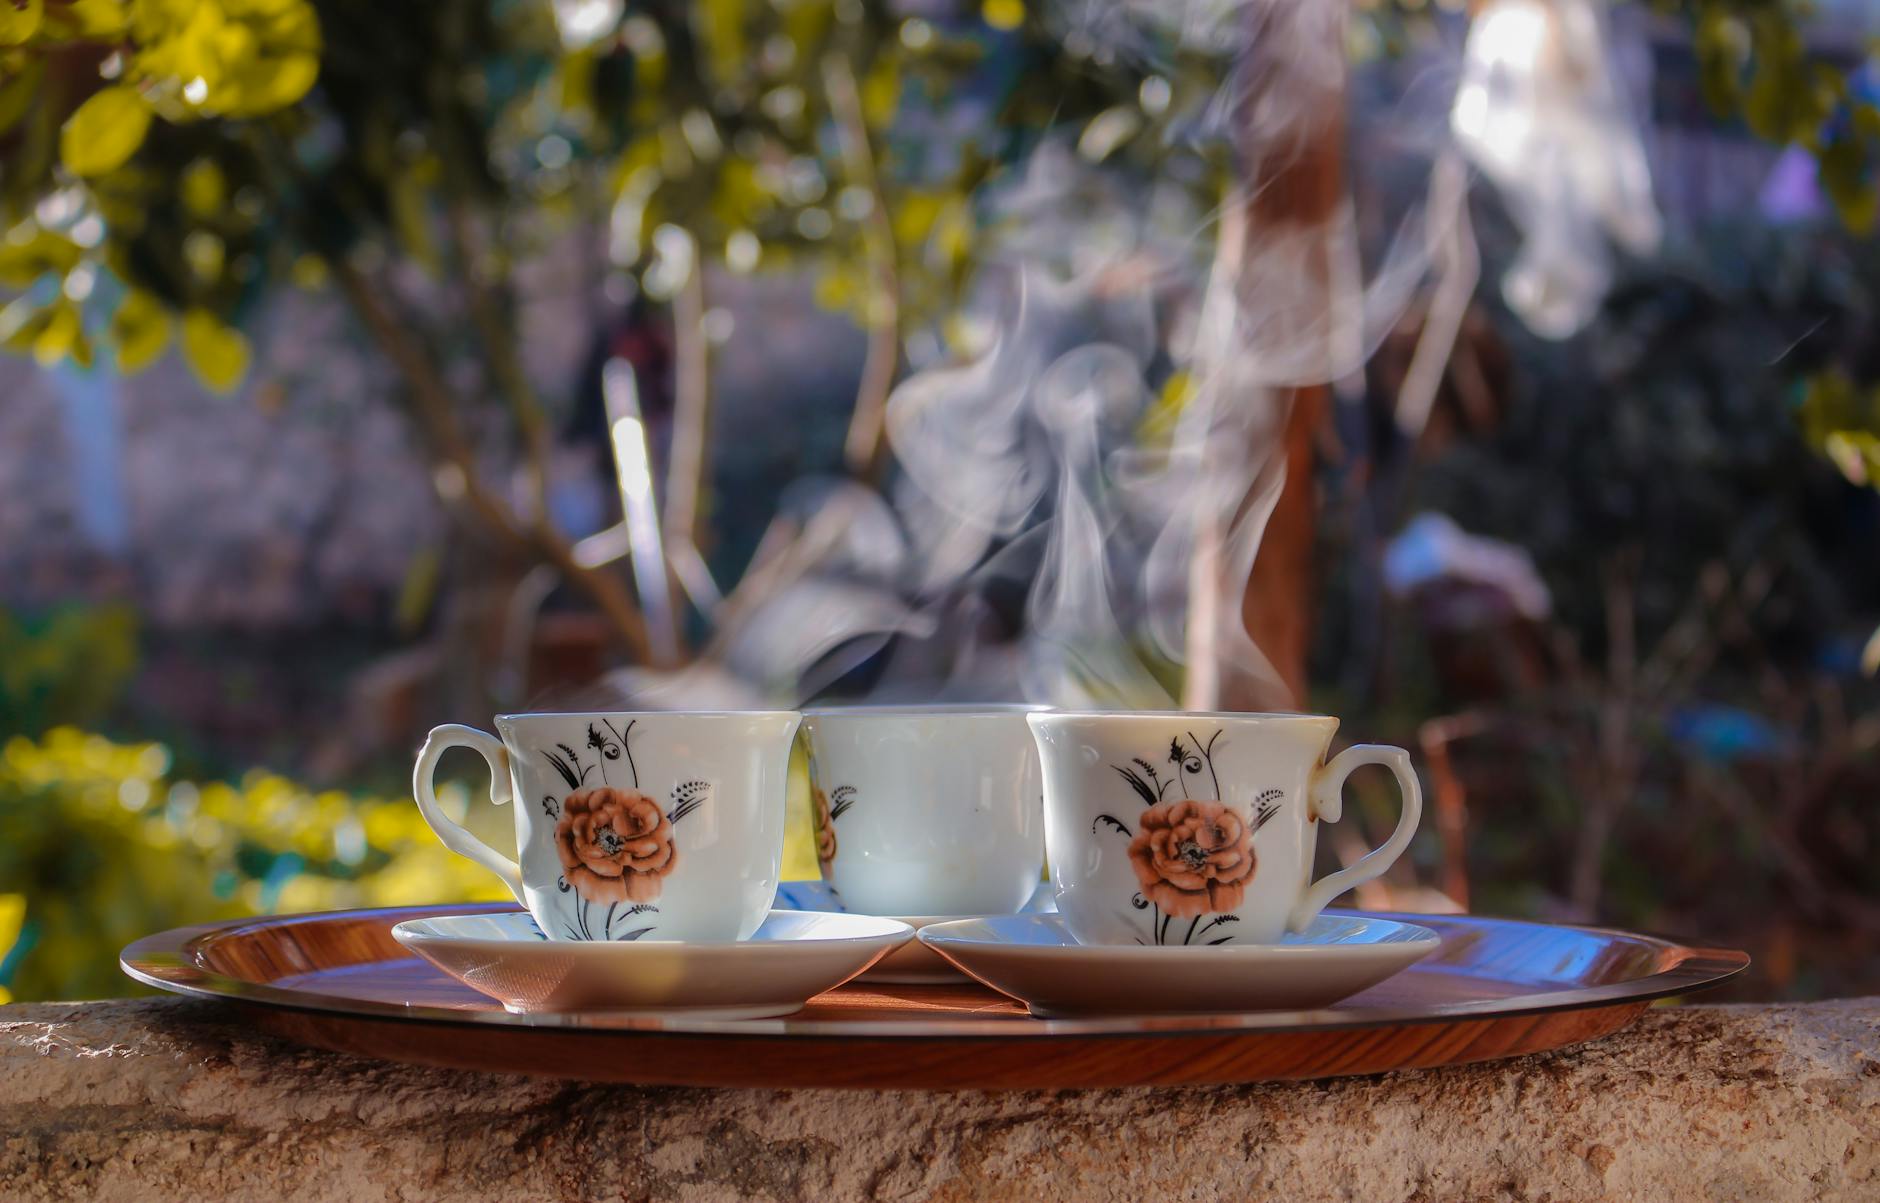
[656, 826]
[1199, 829]
[927, 810]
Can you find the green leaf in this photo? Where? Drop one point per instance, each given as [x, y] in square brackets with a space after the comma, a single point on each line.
[60, 335]
[19, 20]
[140, 330]
[104, 131]
[23, 261]
[21, 323]
[216, 353]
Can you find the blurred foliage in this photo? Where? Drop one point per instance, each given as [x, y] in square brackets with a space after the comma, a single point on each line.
[1692, 454]
[1843, 418]
[179, 159]
[100, 845]
[65, 668]
[1696, 689]
[1755, 63]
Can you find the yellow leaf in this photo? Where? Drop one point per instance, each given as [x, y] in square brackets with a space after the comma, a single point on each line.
[217, 354]
[204, 190]
[20, 20]
[411, 220]
[22, 261]
[273, 82]
[1003, 14]
[308, 272]
[140, 330]
[104, 131]
[21, 323]
[60, 334]
[91, 19]
[12, 920]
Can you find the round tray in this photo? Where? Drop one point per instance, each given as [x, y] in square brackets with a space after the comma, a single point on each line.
[1496, 988]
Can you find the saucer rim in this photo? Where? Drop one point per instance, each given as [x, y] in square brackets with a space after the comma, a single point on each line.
[1420, 937]
[406, 934]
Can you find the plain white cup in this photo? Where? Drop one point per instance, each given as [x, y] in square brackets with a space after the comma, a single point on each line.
[927, 810]
[1199, 829]
[655, 826]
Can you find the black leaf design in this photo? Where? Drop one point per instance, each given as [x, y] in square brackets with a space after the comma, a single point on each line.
[1175, 753]
[566, 770]
[840, 800]
[1222, 940]
[1207, 751]
[551, 807]
[1139, 902]
[641, 908]
[1216, 922]
[1267, 810]
[620, 736]
[1143, 790]
[1112, 820]
[687, 797]
[635, 934]
[595, 739]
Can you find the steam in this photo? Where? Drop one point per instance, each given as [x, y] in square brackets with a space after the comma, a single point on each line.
[1540, 112]
[1109, 448]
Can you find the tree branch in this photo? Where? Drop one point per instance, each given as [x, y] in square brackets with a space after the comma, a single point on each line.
[499, 344]
[863, 448]
[691, 419]
[431, 403]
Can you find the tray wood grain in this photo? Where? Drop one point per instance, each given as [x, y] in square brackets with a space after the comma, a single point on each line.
[1496, 988]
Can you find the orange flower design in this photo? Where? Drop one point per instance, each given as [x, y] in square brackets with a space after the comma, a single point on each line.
[615, 844]
[1192, 858]
[825, 830]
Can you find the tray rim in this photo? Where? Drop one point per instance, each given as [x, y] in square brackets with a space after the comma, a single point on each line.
[164, 960]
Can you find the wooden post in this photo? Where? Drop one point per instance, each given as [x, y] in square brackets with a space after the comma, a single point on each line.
[1293, 141]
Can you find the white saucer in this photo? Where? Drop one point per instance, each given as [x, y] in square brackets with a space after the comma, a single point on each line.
[793, 957]
[1034, 959]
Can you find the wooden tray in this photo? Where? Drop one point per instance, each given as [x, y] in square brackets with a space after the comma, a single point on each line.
[1496, 988]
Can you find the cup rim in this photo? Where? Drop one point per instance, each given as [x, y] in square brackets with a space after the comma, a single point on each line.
[921, 709]
[528, 714]
[1269, 716]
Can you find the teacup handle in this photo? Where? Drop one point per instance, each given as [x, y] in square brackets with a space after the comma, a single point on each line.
[441, 740]
[1328, 803]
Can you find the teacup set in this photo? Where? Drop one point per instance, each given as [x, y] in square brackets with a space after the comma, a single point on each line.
[650, 845]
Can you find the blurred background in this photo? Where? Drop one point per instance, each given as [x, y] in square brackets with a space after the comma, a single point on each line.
[1500, 376]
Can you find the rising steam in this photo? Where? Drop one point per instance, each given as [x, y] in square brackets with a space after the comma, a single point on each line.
[1110, 451]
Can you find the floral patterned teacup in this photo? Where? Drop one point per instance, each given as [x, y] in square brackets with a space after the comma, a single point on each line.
[923, 811]
[1199, 829]
[655, 826]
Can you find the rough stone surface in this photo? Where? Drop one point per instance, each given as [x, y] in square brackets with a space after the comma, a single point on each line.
[163, 1098]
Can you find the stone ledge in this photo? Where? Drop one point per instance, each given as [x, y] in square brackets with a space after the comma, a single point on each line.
[165, 1098]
